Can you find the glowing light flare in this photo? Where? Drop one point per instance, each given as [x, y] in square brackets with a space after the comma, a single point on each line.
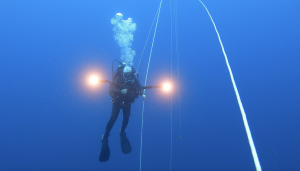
[94, 80]
[167, 87]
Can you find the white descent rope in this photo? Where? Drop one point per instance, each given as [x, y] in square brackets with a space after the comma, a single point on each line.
[146, 41]
[171, 146]
[145, 85]
[141, 148]
[177, 54]
[152, 43]
[253, 150]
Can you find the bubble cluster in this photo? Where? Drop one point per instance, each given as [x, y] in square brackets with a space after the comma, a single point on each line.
[123, 35]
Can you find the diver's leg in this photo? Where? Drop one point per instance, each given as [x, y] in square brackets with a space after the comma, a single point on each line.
[114, 115]
[126, 114]
[125, 144]
[105, 151]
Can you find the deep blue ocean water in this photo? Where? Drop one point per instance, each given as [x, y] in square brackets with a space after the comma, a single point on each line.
[51, 120]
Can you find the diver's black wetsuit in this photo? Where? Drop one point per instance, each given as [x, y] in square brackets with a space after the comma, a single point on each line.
[122, 101]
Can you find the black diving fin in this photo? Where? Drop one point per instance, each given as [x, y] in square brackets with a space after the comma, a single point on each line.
[105, 151]
[125, 144]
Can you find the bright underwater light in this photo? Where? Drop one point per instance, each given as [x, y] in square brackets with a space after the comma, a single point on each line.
[94, 80]
[167, 87]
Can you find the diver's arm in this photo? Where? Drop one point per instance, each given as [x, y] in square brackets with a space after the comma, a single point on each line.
[139, 86]
[116, 83]
[114, 90]
[117, 91]
[142, 91]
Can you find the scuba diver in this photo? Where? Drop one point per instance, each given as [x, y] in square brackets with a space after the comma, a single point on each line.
[124, 89]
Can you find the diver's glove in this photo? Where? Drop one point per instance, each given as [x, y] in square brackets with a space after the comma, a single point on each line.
[124, 91]
[144, 96]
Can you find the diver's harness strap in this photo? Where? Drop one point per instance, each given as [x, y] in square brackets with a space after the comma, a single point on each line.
[142, 88]
[114, 98]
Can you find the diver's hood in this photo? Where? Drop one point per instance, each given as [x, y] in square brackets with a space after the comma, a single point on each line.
[127, 73]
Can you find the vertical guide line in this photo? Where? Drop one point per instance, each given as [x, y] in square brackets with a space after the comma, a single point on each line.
[177, 55]
[145, 85]
[253, 150]
[171, 154]
[141, 148]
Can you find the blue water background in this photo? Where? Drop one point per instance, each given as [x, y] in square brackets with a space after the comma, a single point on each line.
[50, 120]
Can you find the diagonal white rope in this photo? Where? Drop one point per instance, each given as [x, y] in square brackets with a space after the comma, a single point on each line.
[253, 150]
[152, 43]
[145, 85]
[147, 40]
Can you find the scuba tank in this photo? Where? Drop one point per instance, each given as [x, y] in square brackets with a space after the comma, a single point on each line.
[130, 84]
